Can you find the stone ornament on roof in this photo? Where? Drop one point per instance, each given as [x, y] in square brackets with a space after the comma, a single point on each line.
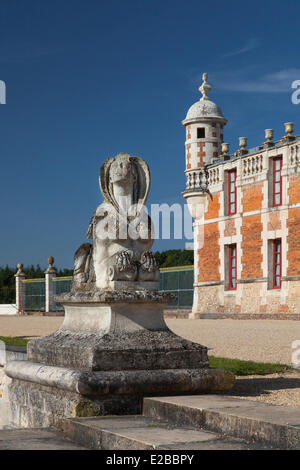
[204, 88]
[204, 107]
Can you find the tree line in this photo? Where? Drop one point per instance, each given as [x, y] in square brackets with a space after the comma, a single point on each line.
[166, 259]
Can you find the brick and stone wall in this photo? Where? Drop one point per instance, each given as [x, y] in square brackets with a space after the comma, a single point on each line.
[253, 228]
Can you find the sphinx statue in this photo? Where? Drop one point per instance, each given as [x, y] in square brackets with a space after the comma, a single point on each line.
[114, 346]
[121, 230]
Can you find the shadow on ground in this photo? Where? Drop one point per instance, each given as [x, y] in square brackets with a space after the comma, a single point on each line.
[257, 386]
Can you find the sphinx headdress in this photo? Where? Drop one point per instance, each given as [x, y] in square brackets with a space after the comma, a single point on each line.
[141, 185]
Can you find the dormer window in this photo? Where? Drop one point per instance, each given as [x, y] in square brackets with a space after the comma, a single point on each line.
[200, 132]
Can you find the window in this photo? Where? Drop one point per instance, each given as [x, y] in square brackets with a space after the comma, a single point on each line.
[277, 264]
[232, 266]
[200, 132]
[232, 192]
[277, 181]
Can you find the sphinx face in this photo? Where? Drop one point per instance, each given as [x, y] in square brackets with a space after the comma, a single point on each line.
[121, 170]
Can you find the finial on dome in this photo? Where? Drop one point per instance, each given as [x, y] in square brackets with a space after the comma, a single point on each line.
[204, 88]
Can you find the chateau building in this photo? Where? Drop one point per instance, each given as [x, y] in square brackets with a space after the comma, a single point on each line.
[246, 210]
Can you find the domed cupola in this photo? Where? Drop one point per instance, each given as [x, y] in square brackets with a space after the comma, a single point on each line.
[204, 124]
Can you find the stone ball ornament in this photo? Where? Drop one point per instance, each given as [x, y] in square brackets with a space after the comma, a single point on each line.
[50, 260]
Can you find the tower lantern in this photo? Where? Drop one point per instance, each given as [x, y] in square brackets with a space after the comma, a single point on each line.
[204, 124]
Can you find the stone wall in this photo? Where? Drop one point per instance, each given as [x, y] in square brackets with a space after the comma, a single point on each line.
[249, 298]
[4, 381]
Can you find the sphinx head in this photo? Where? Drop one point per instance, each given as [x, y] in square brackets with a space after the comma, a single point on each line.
[122, 170]
[125, 175]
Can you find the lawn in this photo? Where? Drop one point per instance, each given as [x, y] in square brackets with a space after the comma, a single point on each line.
[246, 367]
[14, 341]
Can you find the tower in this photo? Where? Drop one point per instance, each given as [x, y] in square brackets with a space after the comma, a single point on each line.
[204, 124]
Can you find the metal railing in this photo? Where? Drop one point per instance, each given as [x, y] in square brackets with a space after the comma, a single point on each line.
[178, 280]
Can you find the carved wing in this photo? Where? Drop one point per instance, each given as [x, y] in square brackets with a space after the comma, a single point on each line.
[89, 233]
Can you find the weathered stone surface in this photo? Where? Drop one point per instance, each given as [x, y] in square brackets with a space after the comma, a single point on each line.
[125, 331]
[43, 396]
[277, 426]
[33, 405]
[104, 359]
[141, 433]
[13, 353]
[110, 296]
[35, 439]
[134, 382]
[142, 350]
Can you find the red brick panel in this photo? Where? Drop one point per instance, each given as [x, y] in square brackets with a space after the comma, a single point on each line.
[294, 189]
[230, 229]
[208, 262]
[188, 132]
[251, 246]
[200, 153]
[188, 156]
[252, 197]
[213, 207]
[283, 308]
[293, 240]
[274, 221]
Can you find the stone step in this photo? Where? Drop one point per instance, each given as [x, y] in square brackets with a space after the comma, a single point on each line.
[35, 439]
[272, 425]
[142, 433]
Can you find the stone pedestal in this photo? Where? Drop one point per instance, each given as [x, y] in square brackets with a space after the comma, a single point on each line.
[20, 277]
[50, 275]
[112, 350]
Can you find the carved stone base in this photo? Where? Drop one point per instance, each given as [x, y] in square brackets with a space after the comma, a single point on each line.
[115, 330]
[43, 396]
[113, 349]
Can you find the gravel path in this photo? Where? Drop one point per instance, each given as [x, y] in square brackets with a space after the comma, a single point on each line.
[31, 326]
[256, 340]
[277, 389]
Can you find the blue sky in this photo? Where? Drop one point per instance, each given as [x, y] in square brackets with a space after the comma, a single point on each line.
[88, 79]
